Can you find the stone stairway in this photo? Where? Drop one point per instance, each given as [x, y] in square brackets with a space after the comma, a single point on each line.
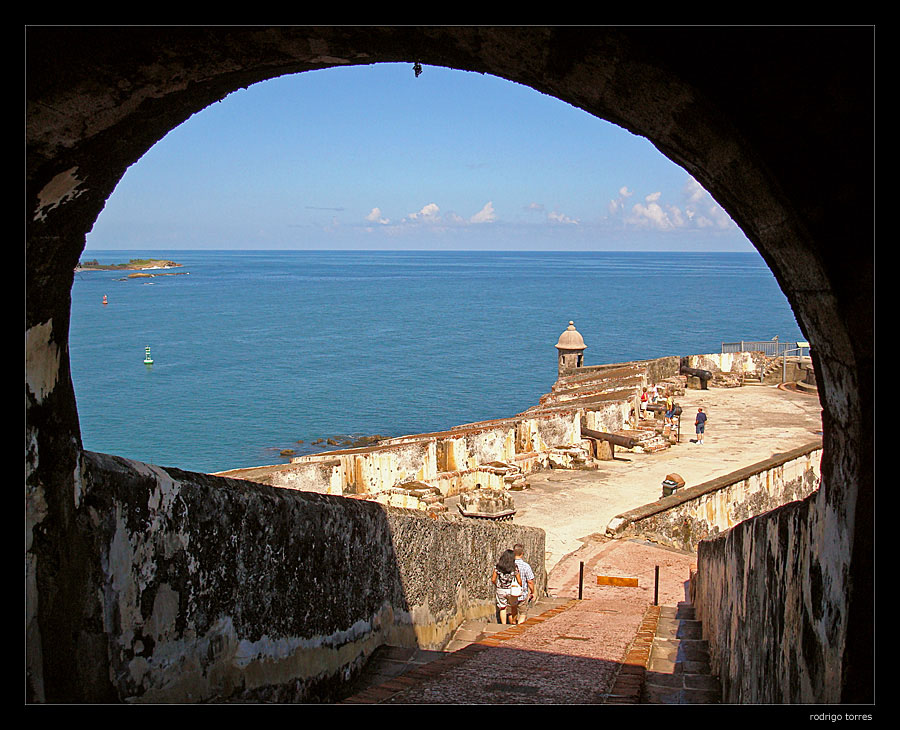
[388, 664]
[678, 671]
[667, 664]
[474, 630]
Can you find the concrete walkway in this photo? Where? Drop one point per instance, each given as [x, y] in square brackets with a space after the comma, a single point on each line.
[745, 425]
[596, 650]
[613, 646]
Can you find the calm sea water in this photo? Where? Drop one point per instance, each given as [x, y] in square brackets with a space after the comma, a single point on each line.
[256, 350]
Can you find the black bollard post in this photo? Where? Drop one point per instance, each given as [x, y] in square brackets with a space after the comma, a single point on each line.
[580, 579]
[656, 588]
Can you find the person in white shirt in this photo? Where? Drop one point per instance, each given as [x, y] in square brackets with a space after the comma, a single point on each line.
[528, 581]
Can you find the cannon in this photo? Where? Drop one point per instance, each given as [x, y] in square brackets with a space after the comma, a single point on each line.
[661, 408]
[704, 375]
[625, 441]
[612, 439]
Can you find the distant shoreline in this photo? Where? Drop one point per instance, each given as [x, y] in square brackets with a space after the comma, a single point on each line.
[132, 265]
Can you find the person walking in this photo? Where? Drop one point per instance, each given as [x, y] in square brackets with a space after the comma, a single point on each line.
[508, 586]
[527, 576]
[700, 425]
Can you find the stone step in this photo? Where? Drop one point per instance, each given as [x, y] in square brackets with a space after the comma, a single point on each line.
[678, 672]
[389, 662]
[476, 629]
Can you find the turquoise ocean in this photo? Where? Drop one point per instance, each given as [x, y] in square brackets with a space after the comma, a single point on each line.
[255, 351]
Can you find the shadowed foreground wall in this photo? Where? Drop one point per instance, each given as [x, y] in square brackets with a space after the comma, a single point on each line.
[774, 619]
[207, 588]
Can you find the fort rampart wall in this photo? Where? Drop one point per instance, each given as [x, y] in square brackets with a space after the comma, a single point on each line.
[775, 619]
[694, 513]
[548, 435]
[209, 588]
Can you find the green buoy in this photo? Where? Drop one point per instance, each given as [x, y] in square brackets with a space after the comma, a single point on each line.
[147, 359]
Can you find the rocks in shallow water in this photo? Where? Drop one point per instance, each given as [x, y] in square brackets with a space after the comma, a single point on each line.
[348, 441]
[344, 441]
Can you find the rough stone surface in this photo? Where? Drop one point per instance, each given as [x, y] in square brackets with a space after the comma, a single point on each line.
[213, 588]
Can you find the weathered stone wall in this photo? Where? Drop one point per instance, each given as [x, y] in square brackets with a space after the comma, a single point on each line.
[449, 460]
[775, 616]
[755, 364]
[198, 588]
[703, 511]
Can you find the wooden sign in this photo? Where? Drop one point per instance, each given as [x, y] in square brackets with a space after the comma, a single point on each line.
[612, 580]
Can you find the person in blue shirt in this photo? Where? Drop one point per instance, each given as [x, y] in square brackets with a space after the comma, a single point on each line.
[700, 424]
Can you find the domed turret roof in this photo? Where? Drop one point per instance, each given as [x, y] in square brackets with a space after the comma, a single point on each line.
[571, 339]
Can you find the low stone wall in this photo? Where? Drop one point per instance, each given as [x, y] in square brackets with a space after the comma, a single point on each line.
[450, 460]
[773, 613]
[603, 397]
[202, 588]
[729, 368]
[699, 512]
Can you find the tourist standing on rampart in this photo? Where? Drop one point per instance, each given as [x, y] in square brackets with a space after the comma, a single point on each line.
[509, 586]
[700, 425]
[670, 408]
[527, 576]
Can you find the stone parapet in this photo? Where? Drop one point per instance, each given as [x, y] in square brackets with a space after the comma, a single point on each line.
[699, 512]
[206, 589]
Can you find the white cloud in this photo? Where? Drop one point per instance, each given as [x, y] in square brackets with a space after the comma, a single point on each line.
[485, 215]
[375, 217]
[698, 210]
[702, 209]
[555, 217]
[618, 204]
[428, 214]
[651, 214]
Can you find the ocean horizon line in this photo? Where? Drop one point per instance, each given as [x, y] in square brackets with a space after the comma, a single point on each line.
[423, 250]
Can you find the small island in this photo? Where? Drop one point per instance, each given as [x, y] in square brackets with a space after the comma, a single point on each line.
[132, 265]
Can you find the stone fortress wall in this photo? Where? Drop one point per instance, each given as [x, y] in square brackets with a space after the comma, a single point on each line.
[418, 471]
[276, 584]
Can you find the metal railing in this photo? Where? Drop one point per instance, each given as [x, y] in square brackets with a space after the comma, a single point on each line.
[770, 348]
[798, 351]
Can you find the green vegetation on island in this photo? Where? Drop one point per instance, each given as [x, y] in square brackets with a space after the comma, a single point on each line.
[132, 265]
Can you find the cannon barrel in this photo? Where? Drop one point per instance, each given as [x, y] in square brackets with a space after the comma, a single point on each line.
[624, 441]
[704, 375]
[659, 408]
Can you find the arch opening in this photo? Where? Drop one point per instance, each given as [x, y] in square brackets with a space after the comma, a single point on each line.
[183, 171]
[750, 128]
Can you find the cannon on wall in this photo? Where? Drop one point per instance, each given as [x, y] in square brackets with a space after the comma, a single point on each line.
[704, 375]
[612, 439]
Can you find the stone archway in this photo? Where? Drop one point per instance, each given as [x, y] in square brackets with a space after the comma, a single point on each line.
[775, 123]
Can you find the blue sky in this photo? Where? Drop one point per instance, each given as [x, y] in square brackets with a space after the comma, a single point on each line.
[371, 157]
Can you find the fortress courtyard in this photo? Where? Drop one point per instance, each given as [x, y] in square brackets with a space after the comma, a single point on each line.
[746, 425]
